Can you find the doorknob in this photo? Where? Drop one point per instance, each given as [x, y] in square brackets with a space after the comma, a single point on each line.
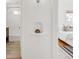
[37, 31]
[38, 27]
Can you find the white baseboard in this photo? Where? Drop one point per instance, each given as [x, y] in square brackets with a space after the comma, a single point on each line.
[14, 35]
[14, 38]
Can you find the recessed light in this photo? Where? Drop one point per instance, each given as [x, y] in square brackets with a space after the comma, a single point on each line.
[16, 12]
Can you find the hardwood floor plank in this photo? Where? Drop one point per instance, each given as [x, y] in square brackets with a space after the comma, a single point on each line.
[13, 58]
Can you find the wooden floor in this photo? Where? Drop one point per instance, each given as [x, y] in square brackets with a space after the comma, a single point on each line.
[13, 58]
[13, 50]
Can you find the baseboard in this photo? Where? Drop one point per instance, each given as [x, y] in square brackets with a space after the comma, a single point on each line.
[14, 38]
[14, 35]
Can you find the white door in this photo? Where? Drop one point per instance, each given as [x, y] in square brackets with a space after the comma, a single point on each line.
[36, 29]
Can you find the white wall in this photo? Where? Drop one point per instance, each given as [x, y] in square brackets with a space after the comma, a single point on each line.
[13, 17]
[54, 15]
[13, 21]
[63, 5]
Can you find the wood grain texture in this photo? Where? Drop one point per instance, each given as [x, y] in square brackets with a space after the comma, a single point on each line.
[13, 50]
[14, 58]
